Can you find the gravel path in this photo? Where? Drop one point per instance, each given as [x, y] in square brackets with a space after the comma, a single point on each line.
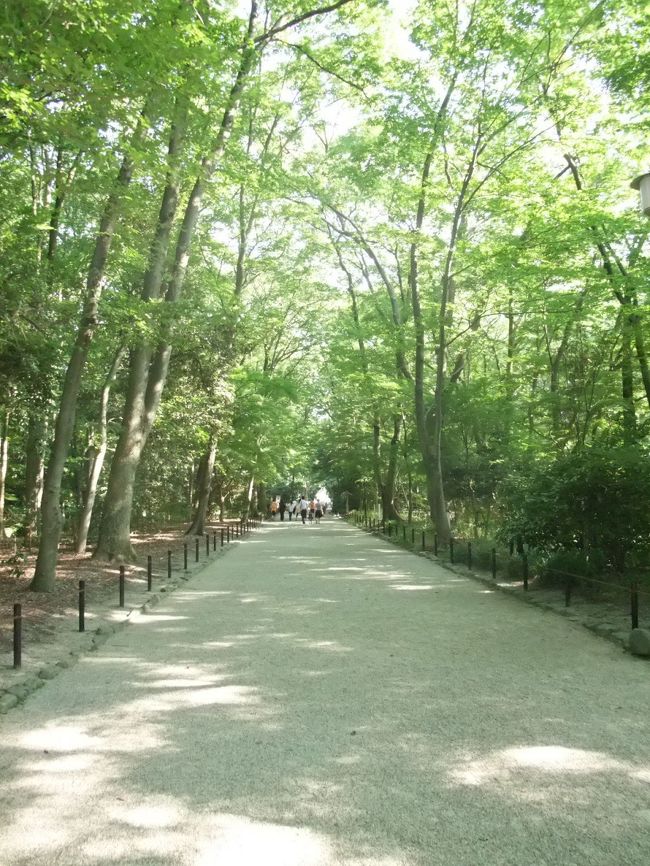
[321, 698]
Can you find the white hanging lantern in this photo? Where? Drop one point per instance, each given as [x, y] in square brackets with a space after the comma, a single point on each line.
[642, 183]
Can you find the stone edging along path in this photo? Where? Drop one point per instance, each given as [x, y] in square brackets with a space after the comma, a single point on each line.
[103, 619]
[598, 625]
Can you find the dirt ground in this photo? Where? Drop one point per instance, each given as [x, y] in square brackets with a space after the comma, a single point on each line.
[43, 612]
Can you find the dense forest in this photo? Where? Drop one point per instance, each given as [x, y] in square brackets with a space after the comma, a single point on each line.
[391, 248]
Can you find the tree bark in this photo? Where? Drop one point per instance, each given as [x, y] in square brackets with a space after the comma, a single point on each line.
[97, 455]
[34, 472]
[385, 483]
[203, 488]
[627, 379]
[51, 520]
[429, 440]
[4, 465]
[148, 369]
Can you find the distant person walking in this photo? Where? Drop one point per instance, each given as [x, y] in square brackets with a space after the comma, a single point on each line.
[318, 513]
[304, 505]
[291, 508]
[282, 507]
[274, 507]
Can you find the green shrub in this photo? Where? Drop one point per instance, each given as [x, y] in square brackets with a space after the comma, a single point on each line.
[595, 499]
[569, 566]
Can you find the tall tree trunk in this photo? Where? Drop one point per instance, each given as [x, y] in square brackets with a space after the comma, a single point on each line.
[203, 488]
[429, 436]
[385, 483]
[115, 528]
[34, 471]
[51, 520]
[627, 379]
[430, 446]
[641, 355]
[4, 465]
[148, 369]
[250, 498]
[97, 455]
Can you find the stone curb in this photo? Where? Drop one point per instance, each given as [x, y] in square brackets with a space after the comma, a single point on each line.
[91, 641]
[608, 632]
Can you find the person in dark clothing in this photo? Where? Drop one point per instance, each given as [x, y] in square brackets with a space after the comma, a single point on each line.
[282, 507]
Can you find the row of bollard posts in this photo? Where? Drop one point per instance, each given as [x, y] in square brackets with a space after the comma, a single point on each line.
[244, 526]
[386, 529]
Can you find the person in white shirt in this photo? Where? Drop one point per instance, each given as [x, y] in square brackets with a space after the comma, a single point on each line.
[304, 505]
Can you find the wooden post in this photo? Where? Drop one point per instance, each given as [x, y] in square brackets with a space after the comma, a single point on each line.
[634, 604]
[82, 605]
[524, 563]
[18, 635]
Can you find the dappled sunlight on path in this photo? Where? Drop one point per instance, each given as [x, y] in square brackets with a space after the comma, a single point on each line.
[323, 699]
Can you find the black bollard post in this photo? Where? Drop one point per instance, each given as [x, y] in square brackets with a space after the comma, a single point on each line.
[149, 573]
[18, 635]
[207, 545]
[435, 544]
[214, 541]
[228, 533]
[196, 549]
[82, 605]
[404, 533]
[121, 586]
[412, 535]
[390, 529]
[524, 562]
[568, 590]
[634, 605]
[469, 554]
[185, 556]
[494, 563]
[222, 537]
[451, 549]
[169, 565]
[423, 541]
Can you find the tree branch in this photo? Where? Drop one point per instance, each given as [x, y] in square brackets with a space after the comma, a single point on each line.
[302, 50]
[321, 10]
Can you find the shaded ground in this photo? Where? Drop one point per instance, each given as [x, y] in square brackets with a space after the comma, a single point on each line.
[50, 619]
[320, 698]
[45, 612]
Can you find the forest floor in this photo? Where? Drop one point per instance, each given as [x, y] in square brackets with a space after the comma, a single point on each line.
[320, 697]
[50, 619]
[603, 607]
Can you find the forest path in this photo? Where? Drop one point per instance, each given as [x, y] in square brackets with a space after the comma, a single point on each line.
[319, 697]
